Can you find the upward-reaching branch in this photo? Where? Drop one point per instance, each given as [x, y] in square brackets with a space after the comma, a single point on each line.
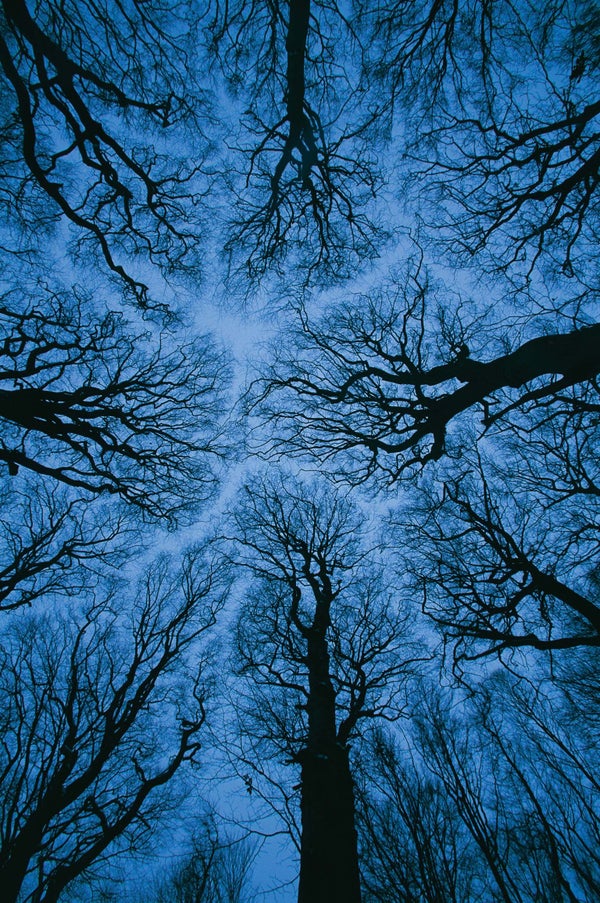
[361, 387]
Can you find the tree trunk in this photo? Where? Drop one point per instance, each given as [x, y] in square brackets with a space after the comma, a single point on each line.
[328, 853]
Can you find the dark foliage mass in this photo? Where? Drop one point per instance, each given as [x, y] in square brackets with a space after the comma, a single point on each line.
[408, 653]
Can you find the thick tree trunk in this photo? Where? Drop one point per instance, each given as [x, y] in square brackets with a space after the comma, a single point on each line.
[14, 864]
[328, 853]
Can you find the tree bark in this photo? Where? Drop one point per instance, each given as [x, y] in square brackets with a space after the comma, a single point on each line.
[329, 853]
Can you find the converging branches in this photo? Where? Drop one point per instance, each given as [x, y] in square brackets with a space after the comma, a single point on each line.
[310, 174]
[87, 405]
[358, 386]
[83, 79]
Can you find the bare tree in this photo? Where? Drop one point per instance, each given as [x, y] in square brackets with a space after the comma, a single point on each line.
[99, 711]
[506, 550]
[383, 385]
[552, 771]
[452, 756]
[306, 172]
[81, 83]
[515, 169]
[490, 797]
[322, 649]
[376, 385]
[216, 870]
[90, 403]
[413, 845]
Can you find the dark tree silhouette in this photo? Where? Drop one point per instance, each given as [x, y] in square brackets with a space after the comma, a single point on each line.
[504, 540]
[322, 650]
[376, 385]
[91, 404]
[495, 797]
[81, 83]
[89, 733]
[216, 869]
[306, 172]
[515, 169]
[413, 846]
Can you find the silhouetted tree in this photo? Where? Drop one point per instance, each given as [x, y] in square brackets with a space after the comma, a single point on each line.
[504, 166]
[489, 798]
[305, 174]
[553, 772]
[378, 388]
[216, 870]
[92, 403]
[99, 711]
[321, 648]
[503, 565]
[413, 846]
[82, 82]
[374, 386]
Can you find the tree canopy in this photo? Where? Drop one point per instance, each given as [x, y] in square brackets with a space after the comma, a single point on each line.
[402, 598]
